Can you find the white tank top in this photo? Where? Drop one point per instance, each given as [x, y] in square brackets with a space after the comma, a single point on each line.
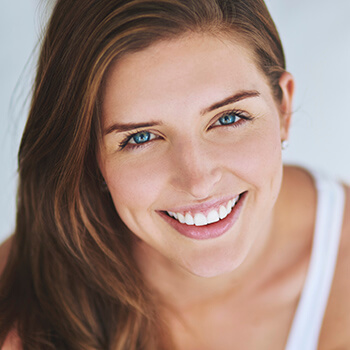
[308, 318]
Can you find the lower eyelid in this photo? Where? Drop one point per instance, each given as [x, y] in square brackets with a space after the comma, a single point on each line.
[235, 124]
[127, 144]
[152, 137]
[218, 121]
[133, 145]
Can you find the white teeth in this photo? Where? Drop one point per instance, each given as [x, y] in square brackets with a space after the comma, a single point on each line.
[213, 216]
[222, 212]
[189, 219]
[229, 207]
[200, 220]
[181, 218]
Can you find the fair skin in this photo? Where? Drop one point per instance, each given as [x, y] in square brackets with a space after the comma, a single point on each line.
[186, 160]
[189, 162]
[238, 289]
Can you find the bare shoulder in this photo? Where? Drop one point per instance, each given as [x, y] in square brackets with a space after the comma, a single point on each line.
[345, 239]
[12, 342]
[335, 332]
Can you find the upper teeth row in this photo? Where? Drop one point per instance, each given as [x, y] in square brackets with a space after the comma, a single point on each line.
[200, 219]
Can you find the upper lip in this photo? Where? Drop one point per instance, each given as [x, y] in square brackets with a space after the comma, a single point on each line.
[215, 203]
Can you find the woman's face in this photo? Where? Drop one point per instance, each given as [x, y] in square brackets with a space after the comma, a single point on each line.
[191, 127]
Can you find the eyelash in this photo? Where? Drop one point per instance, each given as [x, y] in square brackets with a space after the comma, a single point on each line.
[238, 113]
[125, 142]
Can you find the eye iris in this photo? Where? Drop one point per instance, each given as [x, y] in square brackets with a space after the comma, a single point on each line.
[142, 137]
[227, 119]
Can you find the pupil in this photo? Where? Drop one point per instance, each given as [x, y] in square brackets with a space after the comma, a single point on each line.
[141, 137]
[228, 119]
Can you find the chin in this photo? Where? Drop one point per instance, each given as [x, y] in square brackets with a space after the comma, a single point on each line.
[215, 265]
[211, 271]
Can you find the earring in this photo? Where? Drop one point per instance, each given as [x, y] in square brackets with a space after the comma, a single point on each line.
[284, 144]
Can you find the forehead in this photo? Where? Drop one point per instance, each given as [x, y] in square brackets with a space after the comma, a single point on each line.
[190, 71]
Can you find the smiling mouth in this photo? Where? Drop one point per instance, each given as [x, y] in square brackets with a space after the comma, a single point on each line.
[205, 225]
[202, 219]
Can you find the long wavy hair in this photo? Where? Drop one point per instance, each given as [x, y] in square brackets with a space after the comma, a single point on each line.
[70, 281]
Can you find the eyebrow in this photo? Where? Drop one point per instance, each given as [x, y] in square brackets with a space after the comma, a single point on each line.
[241, 95]
[130, 126]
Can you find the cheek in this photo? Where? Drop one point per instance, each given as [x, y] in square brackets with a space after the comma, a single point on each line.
[257, 158]
[133, 186]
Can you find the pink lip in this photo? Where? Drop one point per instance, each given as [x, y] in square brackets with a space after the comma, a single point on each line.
[213, 230]
[203, 207]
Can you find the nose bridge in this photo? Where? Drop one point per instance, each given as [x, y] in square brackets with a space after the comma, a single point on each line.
[196, 168]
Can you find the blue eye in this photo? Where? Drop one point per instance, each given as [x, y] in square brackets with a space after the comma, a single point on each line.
[137, 140]
[228, 119]
[232, 118]
[141, 137]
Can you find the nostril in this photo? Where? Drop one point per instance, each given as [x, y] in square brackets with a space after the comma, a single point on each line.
[199, 187]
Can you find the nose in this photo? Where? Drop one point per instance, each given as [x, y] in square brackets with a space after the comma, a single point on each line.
[195, 169]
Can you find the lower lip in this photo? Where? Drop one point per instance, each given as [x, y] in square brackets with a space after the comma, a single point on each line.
[209, 231]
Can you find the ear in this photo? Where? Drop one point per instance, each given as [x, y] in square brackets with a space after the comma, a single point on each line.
[286, 83]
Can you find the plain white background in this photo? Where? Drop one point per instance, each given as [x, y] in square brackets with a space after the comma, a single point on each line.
[316, 38]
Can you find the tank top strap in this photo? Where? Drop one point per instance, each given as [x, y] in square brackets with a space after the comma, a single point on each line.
[308, 318]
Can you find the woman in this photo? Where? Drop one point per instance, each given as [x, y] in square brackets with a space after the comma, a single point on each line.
[153, 208]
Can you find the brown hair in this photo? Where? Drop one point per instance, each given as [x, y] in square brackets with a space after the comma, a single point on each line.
[70, 281]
